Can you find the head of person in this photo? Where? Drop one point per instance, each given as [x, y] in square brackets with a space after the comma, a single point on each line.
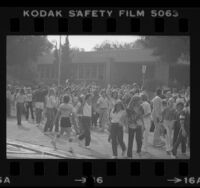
[168, 94]
[88, 98]
[164, 103]
[66, 99]
[51, 92]
[21, 91]
[170, 102]
[103, 93]
[118, 107]
[188, 106]
[67, 90]
[158, 92]
[114, 94]
[8, 87]
[28, 90]
[179, 104]
[134, 102]
[75, 99]
[144, 97]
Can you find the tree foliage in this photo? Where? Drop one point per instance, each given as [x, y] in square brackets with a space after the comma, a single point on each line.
[169, 48]
[21, 49]
[108, 45]
[22, 53]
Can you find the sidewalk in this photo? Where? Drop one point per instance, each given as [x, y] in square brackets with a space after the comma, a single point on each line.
[32, 137]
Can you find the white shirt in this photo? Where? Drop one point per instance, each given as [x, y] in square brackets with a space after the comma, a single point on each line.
[51, 102]
[157, 106]
[103, 102]
[29, 97]
[147, 109]
[116, 117]
[87, 110]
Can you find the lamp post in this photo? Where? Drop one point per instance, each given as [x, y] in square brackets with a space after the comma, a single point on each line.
[143, 74]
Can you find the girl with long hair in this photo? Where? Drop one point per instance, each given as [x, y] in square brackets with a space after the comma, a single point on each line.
[117, 116]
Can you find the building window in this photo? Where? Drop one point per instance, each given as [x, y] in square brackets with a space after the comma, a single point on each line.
[81, 71]
[101, 71]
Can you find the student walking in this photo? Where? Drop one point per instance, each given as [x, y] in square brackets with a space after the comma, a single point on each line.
[146, 119]
[117, 116]
[20, 99]
[156, 115]
[135, 114]
[29, 104]
[86, 121]
[65, 111]
[50, 104]
[168, 117]
[181, 128]
[39, 97]
[103, 105]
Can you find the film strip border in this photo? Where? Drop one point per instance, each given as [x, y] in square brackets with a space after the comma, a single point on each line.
[97, 172]
[108, 26]
[55, 172]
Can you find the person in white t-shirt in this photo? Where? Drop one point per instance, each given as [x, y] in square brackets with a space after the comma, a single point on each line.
[103, 105]
[86, 120]
[50, 104]
[147, 120]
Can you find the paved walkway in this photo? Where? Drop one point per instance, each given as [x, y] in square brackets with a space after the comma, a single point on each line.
[30, 137]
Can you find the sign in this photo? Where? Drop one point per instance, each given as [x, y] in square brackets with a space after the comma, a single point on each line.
[144, 67]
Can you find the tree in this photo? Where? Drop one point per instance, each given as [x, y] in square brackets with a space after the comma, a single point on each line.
[169, 48]
[22, 53]
[66, 59]
[21, 49]
[108, 45]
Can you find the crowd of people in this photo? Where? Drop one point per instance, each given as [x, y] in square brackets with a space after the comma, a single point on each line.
[74, 110]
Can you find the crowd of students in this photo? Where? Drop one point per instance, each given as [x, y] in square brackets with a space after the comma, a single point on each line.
[76, 109]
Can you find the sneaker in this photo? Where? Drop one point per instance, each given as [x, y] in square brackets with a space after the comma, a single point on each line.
[139, 154]
[114, 157]
[168, 152]
[159, 144]
[184, 155]
[54, 144]
[87, 147]
[80, 143]
[71, 150]
[173, 156]
[123, 153]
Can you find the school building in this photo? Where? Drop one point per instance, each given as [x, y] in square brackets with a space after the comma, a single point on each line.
[114, 67]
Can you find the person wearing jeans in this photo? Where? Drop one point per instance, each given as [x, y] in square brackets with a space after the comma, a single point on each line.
[181, 129]
[29, 105]
[117, 115]
[50, 104]
[8, 102]
[135, 114]
[156, 115]
[86, 121]
[20, 99]
[136, 131]
[103, 105]
[39, 104]
[168, 116]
